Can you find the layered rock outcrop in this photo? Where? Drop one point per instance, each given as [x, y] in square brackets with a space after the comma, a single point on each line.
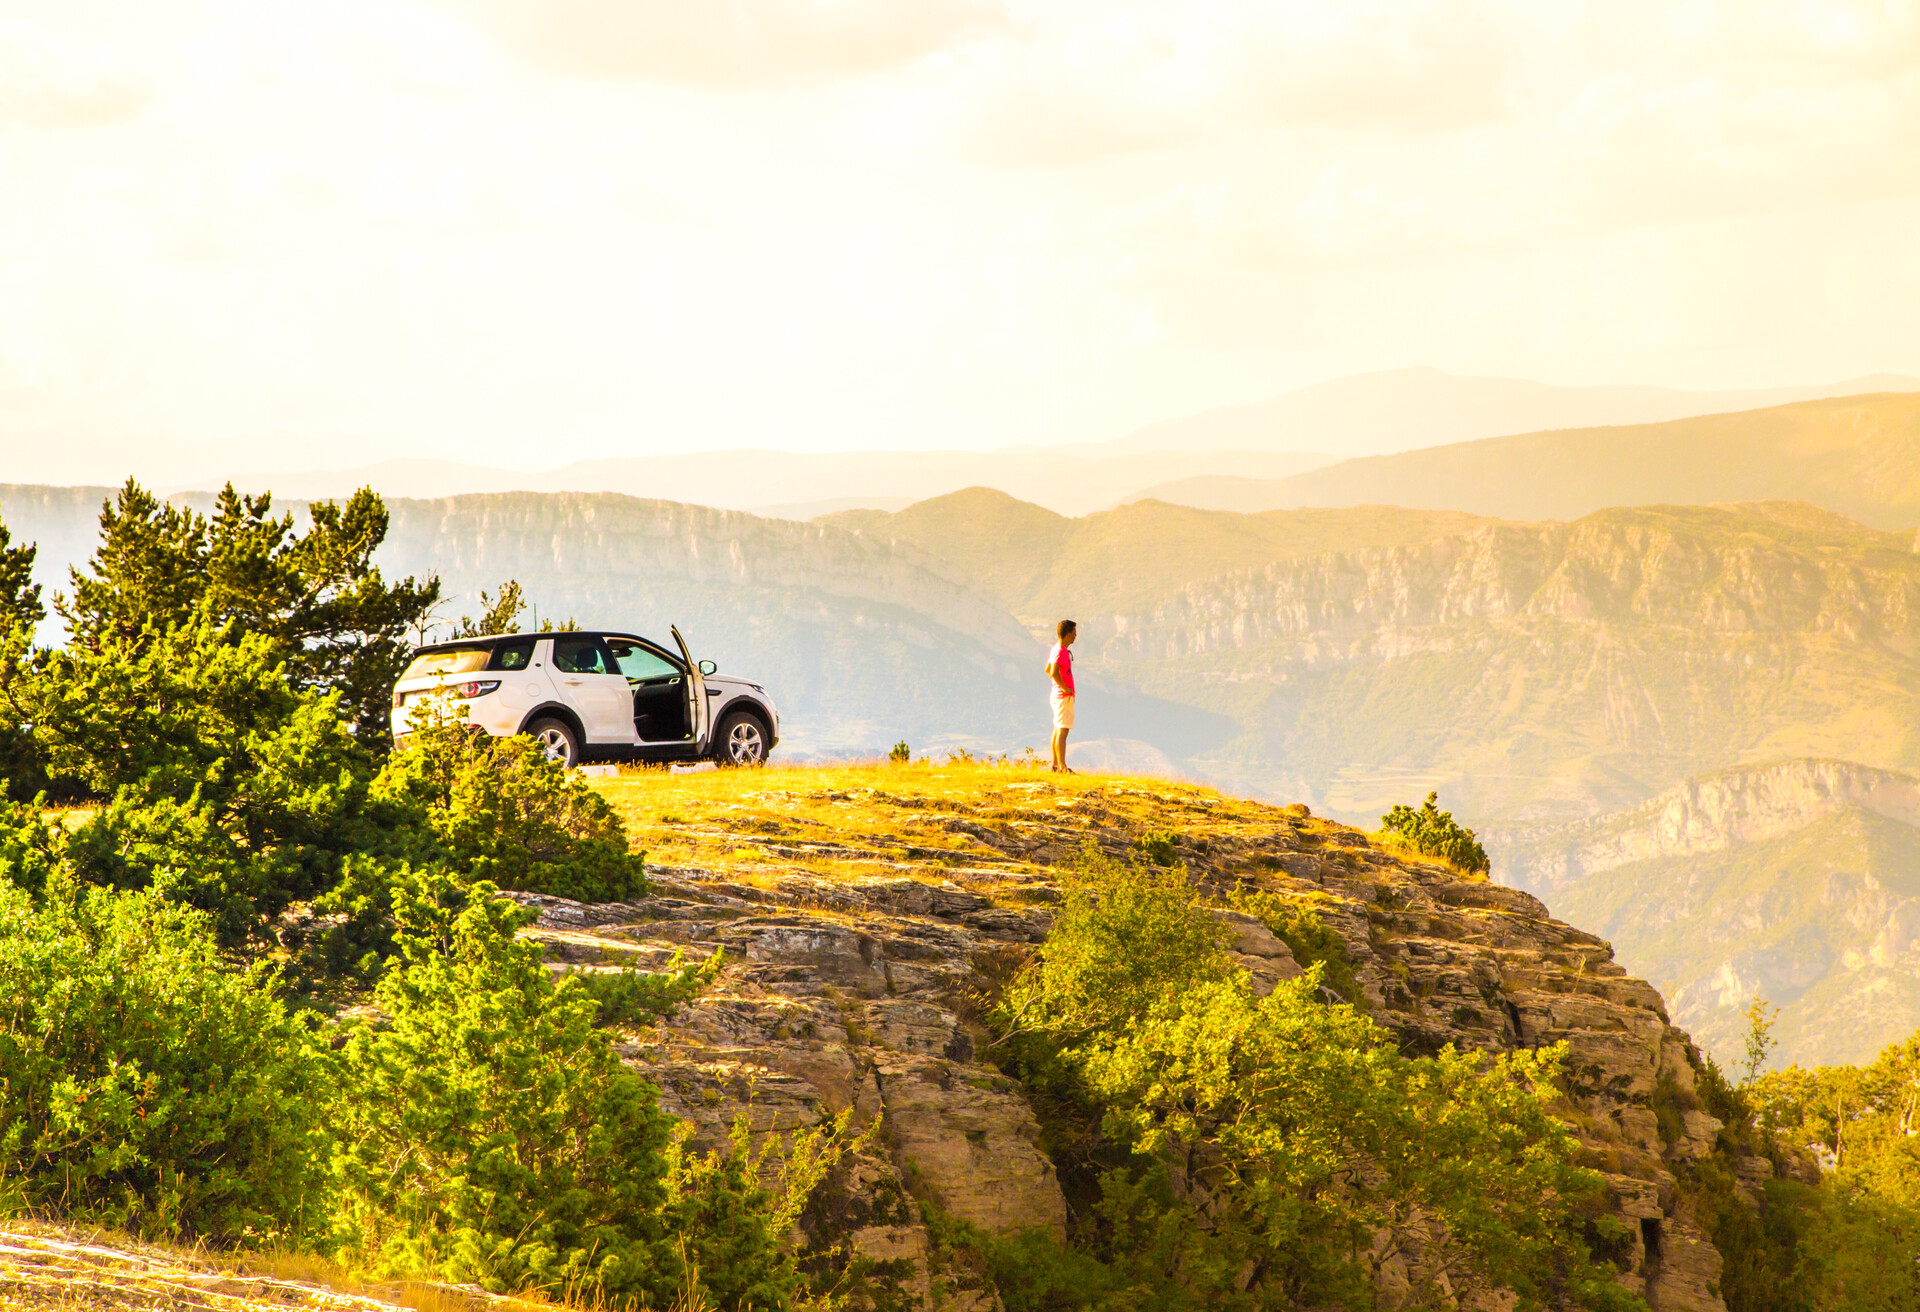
[1745, 804]
[1797, 881]
[859, 991]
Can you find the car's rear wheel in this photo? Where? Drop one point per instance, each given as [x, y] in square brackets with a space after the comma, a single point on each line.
[557, 741]
[741, 739]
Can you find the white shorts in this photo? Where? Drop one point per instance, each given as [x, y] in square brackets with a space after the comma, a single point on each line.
[1062, 712]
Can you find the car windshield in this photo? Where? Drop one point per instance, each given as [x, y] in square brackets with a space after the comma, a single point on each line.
[448, 660]
[636, 662]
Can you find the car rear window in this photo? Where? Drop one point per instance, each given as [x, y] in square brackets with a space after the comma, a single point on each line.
[448, 660]
[516, 655]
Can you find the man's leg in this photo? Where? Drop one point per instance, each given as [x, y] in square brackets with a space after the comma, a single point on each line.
[1059, 749]
[1064, 767]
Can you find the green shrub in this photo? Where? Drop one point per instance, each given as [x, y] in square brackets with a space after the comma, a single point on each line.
[641, 997]
[1849, 1242]
[23, 767]
[1434, 832]
[358, 932]
[172, 711]
[1295, 1128]
[901, 753]
[1127, 934]
[733, 1209]
[144, 1085]
[31, 849]
[1032, 1270]
[500, 811]
[492, 1135]
[315, 597]
[1159, 847]
[20, 604]
[1294, 922]
[229, 791]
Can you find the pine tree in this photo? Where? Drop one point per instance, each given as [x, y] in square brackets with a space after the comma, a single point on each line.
[20, 604]
[317, 595]
[497, 614]
[150, 568]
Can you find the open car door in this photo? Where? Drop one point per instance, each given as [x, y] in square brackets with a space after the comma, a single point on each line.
[697, 717]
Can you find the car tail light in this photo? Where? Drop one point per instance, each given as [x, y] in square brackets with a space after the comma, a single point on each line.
[476, 687]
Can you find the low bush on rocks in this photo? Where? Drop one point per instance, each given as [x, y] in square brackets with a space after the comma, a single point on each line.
[494, 1137]
[1260, 1146]
[1433, 832]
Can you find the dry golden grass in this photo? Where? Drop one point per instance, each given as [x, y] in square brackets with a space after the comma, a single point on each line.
[45, 1265]
[725, 818]
[1396, 843]
[843, 822]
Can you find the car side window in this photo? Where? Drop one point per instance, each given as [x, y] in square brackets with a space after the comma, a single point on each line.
[512, 655]
[636, 662]
[580, 656]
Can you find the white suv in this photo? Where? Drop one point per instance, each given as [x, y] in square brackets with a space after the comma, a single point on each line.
[593, 696]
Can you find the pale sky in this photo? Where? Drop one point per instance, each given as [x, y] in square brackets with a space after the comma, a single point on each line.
[521, 232]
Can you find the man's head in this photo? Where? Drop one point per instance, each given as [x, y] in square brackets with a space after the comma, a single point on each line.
[1067, 629]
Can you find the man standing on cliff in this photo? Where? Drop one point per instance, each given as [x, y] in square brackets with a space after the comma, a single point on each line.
[1060, 670]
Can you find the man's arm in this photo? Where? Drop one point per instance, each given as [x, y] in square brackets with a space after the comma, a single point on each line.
[1053, 672]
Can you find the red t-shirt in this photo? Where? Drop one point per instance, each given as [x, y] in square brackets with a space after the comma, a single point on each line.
[1062, 661]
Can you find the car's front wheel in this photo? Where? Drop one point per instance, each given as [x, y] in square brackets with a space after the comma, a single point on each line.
[741, 739]
[557, 741]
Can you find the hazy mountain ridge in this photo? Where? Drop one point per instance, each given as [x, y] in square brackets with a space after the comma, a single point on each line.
[793, 481]
[1858, 456]
[1728, 808]
[1045, 567]
[1797, 881]
[1545, 671]
[584, 535]
[1731, 569]
[1400, 409]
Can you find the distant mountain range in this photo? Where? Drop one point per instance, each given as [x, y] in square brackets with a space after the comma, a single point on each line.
[1240, 454]
[798, 485]
[1794, 880]
[1044, 567]
[1858, 455]
[1350, 657]
[1403, 409]
[1530, 671]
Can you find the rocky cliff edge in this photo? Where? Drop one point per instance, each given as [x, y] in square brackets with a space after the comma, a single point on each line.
[861, 911]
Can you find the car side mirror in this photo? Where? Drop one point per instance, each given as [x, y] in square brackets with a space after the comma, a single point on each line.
[708, 667]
